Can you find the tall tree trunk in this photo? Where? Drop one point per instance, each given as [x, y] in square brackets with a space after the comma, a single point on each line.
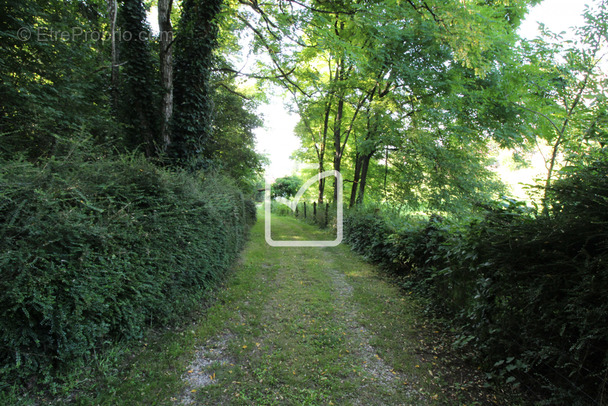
[359, 157]
[321, 153]
[338, 142]
[385, 169]
[166, 69]
[321, 183]
[550, 169]
[138, 98]
[192, 122]
[353, 190]
[552, 164]
[561, 131]
[362, 181]
[112, 13]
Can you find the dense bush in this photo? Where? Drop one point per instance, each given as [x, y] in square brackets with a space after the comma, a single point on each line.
[528, 291]
[95, 250]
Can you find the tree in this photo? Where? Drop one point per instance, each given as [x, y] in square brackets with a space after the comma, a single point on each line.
[166, 70]
[54, 77]
[234, 125]
[192, 132]
[287, 186]
[564, 92]
[350, 56]
[114, 65]
[138, 104]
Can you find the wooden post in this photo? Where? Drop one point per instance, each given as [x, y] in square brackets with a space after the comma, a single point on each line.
[304, 209]
[314, 209]
[326, 213]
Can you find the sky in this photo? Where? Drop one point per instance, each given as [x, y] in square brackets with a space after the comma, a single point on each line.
[277, 139]
[557, 15]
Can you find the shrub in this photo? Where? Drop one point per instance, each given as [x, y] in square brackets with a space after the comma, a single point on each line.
[541, 295]
[95, 250]
[251, 211]
[369, 233]
[529, 293]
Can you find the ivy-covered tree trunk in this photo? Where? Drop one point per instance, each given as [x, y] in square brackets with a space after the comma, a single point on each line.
[114, 90]
[166, 69]
[192, 132]
[138, 109]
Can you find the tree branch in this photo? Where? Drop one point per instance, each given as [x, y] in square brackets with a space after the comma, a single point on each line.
[540, 114]
[317, 10]
[252, 75]
[234, 91]
[284, 75]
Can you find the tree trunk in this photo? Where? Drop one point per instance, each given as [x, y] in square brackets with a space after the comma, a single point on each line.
[321, 154]
[554, 153]
[353, 191]
[385, 169]
[166, 69]
[321, 183]
[364, 167]
[192, 136]
[338, 143]
[112, 13]
[137, 96]
[552, 165]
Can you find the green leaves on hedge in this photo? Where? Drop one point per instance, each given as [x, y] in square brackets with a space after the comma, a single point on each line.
[528, 293]
[96, 250]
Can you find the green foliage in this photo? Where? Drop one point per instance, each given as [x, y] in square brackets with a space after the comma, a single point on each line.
[432, 173]
[233, 151]
[286, 186]
[139, 98]
[390, 82]
[280, 209]
[368, 231]
[322, 215]
[251, 211]
[527, 292]
[95, 249]
[561, 90]
[192, 132]
[53, 77]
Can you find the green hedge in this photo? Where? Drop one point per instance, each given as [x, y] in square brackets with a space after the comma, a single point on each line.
[528, 291]
[93, 251]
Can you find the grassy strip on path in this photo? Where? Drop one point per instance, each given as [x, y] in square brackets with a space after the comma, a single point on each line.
[295, 326]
